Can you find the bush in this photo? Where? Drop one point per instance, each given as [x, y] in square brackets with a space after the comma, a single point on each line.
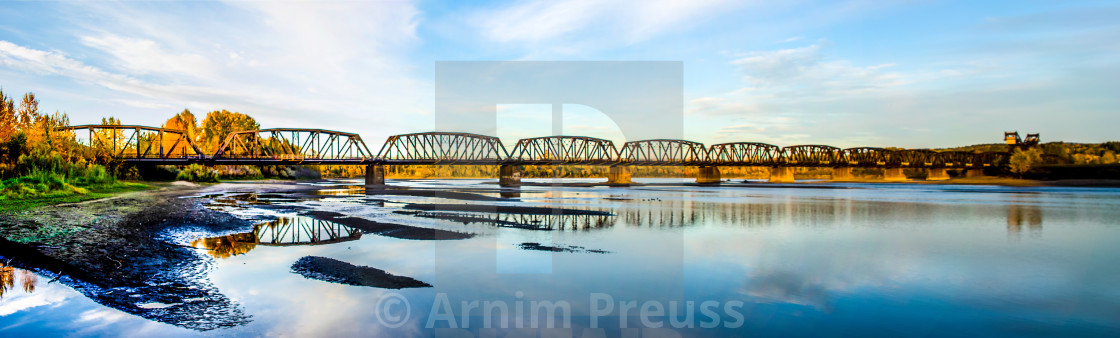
[239, 172]
[45, 174]
[1022, 161]
[198, 173]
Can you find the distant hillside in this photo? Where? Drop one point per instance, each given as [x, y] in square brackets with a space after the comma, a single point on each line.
[1075, 153]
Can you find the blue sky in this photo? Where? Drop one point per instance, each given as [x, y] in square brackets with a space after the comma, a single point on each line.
[846, 73]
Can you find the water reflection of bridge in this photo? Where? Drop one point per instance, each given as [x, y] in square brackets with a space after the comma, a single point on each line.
[557, 221]
[285, 231]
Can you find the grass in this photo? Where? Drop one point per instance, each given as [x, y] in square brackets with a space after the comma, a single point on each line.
[10, 204]
[56, 185]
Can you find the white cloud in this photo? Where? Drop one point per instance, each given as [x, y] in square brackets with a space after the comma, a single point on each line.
[618, 20]
[142, 56]
[256, 58]
[805, 70]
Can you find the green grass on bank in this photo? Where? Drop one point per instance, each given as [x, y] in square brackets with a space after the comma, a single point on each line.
[46, 188]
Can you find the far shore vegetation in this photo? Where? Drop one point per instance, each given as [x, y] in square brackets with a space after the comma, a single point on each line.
[40, 164]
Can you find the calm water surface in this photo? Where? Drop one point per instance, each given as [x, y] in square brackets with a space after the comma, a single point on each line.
[837, 259]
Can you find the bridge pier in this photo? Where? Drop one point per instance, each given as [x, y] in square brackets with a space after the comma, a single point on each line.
[893, 174]
[708, 175]
[509, 175]
[977, 172]
[781, 175]
[619, 174]
[842, 173]
[375, 175]
[938, 174]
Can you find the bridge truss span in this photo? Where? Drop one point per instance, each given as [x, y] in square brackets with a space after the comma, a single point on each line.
[663, 152]
[136, 143]
[443, 148]
[569, 150]
[864, 157]
[293, 146]
[745, 154]
[912, 158]
[811, 155]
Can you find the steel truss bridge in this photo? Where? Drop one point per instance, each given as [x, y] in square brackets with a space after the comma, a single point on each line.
[294, 146]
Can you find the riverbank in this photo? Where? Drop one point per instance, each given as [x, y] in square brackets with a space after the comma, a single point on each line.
[118, 252]
[106, 191]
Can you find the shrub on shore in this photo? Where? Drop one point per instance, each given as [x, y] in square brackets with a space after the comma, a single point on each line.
[199, 174]
[48, 175]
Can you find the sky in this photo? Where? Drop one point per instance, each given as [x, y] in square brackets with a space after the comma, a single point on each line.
[917, 73]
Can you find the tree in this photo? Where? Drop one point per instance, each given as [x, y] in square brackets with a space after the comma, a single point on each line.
[1023, 160]
[188, 124]
[220, 123]
[28, 111]
[8, 119]
[110, 137]
[43, 131]
[184, 121]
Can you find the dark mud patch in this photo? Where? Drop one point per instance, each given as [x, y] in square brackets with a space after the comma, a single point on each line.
[504, 209]
[336, 271]
[117, 253]
[566, 248]
[387, 229]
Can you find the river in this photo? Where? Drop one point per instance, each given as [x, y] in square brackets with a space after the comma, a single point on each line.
[853, 259]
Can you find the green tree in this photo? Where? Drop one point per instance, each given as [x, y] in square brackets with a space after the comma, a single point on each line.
[1023, 160]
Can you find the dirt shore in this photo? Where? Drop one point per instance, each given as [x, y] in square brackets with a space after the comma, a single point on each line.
[122, 252]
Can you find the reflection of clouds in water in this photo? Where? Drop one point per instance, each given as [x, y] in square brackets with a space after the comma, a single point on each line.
[32, 291]
[101, 317]
[22, 301]
[287, 304]
[787, 287]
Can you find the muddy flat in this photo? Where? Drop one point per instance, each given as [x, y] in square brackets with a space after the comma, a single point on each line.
[336, 271]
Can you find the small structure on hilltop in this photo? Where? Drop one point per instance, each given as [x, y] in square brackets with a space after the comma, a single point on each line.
[1014, 142]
